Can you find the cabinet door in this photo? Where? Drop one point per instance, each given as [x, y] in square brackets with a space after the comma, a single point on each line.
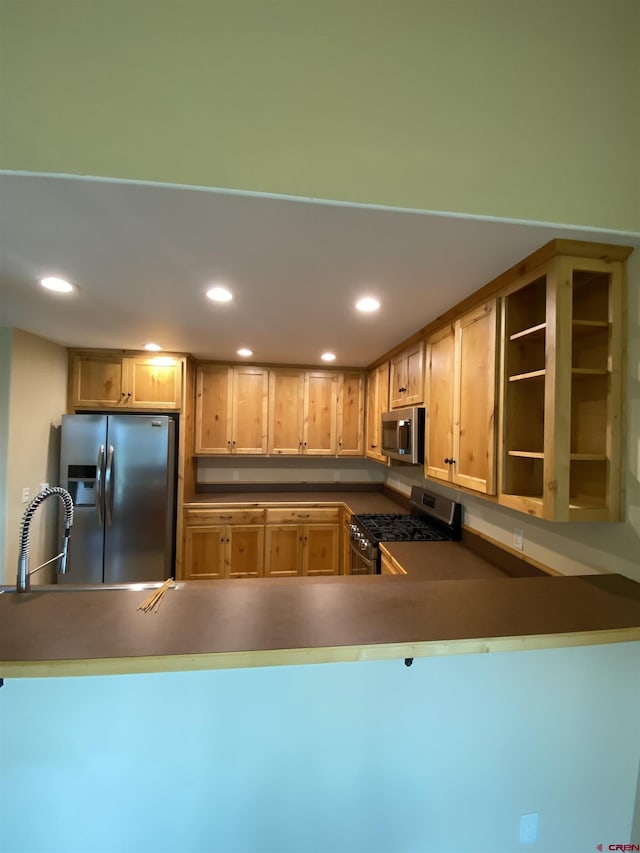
[96, 381]
[320, 413]
[244, 555]
[350, 415]
[283, 550]
[204, 552]
[213, 409]
[475, 400]
[397, 381]
[249, 410]
[440, 349]
[406, 385]
[377, 403]
[153, 382]
[322, 549]
[414, 370]
[286, 409]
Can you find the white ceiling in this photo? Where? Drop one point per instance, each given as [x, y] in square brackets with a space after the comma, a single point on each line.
[143, 256]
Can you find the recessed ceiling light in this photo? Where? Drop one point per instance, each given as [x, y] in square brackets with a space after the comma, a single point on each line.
[58, 284]
[367, 304]
[328, 356]
[219, 294]
[153, 347]
[244, 351]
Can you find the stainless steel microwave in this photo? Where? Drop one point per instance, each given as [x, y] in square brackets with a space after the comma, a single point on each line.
[403, 435]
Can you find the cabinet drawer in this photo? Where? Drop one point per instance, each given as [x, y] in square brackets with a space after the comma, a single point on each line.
[220, 516]
[302, 515]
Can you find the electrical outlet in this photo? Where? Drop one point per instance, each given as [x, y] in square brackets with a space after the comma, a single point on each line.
[529, 828]
[42, 487]
[518, 539]
[26, 492]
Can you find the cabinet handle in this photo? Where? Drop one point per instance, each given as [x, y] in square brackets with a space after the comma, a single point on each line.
[226, 516]
[373, 446]
[401, 390]
[302, 514]
[123, 394]
[449, 461]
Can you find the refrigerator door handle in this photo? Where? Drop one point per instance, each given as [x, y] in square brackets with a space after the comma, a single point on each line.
[99, 484]
[108, 486]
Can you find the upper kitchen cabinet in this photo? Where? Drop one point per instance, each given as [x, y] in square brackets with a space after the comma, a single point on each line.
[561, 395]
[461, 403]
[377, 403]
[406, 380]
[108, 380]
[302, 412]
[350, 414]
[231, 409]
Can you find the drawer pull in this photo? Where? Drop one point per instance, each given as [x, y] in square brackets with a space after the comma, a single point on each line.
[226, 516]
[303, 514]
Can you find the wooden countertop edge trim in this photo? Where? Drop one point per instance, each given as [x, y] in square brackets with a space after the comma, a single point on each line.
[327, 654]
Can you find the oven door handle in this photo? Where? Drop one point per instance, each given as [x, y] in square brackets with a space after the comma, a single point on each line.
[357, 556]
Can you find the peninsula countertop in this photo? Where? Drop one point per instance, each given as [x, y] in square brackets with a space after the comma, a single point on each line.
[262, 622]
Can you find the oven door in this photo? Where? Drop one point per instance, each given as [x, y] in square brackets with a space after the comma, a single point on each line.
[363, 562]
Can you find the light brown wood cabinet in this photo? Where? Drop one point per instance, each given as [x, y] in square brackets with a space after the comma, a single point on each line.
[231, 410]
[107, 380]
[406, 378]
[302, 541]
[303, 408]
[223, 544]
[377, 403]
[350, 431]
[461, 405]
[561, 354]
[286, 541]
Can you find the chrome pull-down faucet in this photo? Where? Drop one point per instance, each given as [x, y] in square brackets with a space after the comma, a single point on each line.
[23, 582]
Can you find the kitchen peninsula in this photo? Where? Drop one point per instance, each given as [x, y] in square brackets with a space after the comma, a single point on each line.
[252, 623]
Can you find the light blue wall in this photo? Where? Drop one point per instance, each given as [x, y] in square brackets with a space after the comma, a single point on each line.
[442, 757]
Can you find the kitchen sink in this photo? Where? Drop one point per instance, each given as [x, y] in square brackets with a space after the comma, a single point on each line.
[89, 587]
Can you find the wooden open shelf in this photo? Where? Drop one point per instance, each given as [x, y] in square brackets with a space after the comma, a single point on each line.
[534, 332]
[534, 374]
[561, 391]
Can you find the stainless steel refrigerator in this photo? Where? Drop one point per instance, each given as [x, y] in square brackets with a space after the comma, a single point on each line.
[120, 472]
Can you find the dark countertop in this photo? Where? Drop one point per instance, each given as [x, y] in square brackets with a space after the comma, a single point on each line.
[262, 622]
[443, 561]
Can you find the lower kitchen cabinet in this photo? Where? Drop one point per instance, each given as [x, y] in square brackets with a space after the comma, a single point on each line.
[236, 543]
[223, 544]
[224, 552]
[302, 542]
[302, 549]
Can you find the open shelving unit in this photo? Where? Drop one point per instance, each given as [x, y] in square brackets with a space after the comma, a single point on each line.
[560, 404]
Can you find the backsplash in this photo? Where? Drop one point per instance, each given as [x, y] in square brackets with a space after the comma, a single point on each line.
[288, 470]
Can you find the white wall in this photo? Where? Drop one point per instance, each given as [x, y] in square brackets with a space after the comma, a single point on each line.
[441, 757]
[288, 470]
[36, 400]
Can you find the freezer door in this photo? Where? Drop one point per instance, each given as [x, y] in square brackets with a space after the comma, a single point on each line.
[139, 490]
[82, 456]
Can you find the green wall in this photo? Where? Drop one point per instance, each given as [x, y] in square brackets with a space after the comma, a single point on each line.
[513, 108]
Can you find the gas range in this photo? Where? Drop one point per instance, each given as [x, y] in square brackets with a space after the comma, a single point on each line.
[432, 519]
